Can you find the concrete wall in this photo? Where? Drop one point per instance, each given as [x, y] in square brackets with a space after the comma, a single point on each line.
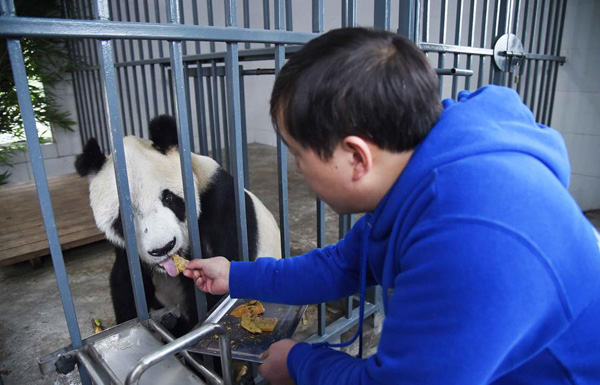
[577, 104]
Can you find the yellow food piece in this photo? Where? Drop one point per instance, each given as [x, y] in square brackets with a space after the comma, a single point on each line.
[179, 262]
[248, 324]
[265, 324]
[253, 308]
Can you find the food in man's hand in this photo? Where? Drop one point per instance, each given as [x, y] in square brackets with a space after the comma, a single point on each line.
[252, 307]
[179, 262]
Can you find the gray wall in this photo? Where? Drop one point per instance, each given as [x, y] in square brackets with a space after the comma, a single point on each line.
[577, 104]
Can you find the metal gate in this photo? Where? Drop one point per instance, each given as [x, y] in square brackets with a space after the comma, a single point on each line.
[198, 71]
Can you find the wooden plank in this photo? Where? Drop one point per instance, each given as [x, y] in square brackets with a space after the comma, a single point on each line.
[22, 232]
[82, 239]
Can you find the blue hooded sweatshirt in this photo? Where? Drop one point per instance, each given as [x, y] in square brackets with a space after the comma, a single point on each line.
[492, 269]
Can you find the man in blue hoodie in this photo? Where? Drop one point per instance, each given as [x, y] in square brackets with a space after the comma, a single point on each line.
[490, 272]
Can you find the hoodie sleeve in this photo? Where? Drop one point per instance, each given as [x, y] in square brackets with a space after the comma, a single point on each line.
[320, 275]
[471, 301]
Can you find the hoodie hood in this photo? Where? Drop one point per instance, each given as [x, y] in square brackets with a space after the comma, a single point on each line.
[491, 119]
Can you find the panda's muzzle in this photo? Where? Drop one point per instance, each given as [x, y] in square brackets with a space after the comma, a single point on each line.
[163, 251]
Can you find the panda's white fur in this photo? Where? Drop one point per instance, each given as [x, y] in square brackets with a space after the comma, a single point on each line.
[151, 170]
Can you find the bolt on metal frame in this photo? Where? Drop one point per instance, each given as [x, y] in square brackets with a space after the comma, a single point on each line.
[102, 36]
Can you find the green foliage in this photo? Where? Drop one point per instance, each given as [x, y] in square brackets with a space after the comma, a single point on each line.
[46, 64]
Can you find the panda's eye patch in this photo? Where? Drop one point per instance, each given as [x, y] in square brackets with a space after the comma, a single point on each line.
[173, 202]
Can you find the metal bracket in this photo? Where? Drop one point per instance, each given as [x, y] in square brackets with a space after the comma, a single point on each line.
[508, 52]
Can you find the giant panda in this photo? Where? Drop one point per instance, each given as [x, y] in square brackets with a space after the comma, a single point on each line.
[156, 188]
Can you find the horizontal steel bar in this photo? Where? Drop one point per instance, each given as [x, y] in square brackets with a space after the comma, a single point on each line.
[258, 54]
[534, 56]
[453, 72]
[100, 29]
[448, 48]
[343, 324]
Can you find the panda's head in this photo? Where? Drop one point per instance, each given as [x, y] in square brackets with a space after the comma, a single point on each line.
[156, 188]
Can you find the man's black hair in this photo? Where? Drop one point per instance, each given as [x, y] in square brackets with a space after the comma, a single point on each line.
[355, 81]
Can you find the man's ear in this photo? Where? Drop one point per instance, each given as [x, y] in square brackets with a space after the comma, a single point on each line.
[362, 158]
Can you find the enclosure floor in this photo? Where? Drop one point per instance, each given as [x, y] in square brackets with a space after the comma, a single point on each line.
[22, 231]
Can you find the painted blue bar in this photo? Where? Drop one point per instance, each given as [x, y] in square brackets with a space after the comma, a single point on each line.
[17, 63]
[211, 20]
[111, 99]
[246, 6]
[201, 109]
[281, 149]
[217, 155]
[289, 23]
[185, 158]
[233, 104]
[39, 173]
[225, 126]
[382, 14]
[244, 131]
[96, 29]
[266, 17]
[317, 16]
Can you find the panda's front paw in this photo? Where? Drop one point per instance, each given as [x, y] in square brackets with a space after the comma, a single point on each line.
[169, 321]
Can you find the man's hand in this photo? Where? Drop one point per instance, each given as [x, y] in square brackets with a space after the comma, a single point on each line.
[211, 275]
[274, 368]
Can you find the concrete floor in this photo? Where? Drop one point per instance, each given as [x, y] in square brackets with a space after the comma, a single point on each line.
[31, 316]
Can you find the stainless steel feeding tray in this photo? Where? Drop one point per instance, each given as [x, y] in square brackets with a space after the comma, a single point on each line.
[245, 345]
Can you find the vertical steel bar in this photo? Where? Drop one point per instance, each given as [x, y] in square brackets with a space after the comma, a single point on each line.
[317, 27]
[152, 68]
[201, 109]
[84, 95]
[557, 52]
[514, 29]
[246, 6]
[345, 13]
[188, 103]
[225, 126]
[217, 127]
[317, 16]
[441, 55]
[281, 149]
[289, 26]
[406, 19]
[115, 14]
[503, 23]
[472, 17]
[37, 164]
[524, 40]
[537, 50]
[322, 311]
[484, 17]
[185, 156]
[345, 222]
[534, 17]
[382, 14]
[211, 20]
[266, 17]
[418, 20]
[196, 21]
[426, 15]
[118, 151]
[542, 108]
[136, 88]
[211, 114]
[457, 38]
[233, 92]
[244, 131]
[142, 68]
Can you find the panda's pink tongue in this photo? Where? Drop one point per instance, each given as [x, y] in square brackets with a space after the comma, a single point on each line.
[170, 267]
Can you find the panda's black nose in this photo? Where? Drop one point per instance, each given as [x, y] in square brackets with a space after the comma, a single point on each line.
[163, 250]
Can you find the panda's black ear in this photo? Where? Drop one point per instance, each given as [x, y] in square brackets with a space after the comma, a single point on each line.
[163, 132]
[91, 160]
